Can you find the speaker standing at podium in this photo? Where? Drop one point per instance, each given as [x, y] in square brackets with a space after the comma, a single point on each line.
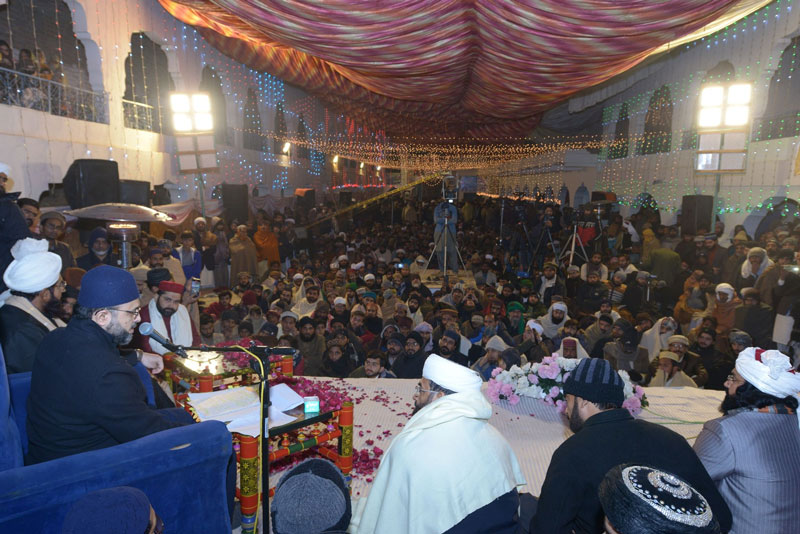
[444, 235]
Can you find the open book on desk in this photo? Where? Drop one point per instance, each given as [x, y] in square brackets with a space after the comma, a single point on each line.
[240, 408]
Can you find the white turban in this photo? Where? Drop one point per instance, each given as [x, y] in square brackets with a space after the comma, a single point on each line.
[535, 325]
[725, 288]
[198, 219]
[33, 268]
[340, 300]
[451, 375]
[770, 371]
[560, 306]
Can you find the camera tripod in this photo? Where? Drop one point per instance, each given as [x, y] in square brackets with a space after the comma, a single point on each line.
[569, 247]
[444, 235]
[544, 234]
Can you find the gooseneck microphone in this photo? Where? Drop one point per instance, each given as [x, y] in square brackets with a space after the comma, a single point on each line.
[146, 329]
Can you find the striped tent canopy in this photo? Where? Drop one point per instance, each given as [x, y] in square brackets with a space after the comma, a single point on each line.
[480, 69]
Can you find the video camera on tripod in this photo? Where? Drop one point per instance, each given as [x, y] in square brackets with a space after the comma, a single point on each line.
[450, 188]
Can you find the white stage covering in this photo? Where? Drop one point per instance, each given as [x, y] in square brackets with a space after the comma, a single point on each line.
[534, 429]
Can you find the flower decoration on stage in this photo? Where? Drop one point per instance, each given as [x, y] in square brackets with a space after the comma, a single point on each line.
[545, 381]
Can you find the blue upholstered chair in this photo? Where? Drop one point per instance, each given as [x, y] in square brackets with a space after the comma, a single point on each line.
[181, 470]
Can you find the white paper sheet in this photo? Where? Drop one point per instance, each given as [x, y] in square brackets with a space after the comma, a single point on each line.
[283, 398]
[278, 418]
[223, 405]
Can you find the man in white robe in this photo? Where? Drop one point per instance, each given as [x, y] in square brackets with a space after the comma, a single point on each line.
[423, 485]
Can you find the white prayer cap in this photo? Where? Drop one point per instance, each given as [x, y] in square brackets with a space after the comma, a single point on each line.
[357, 266]
[369, 276]
[560, 306]
[343, 257]
[33, 268]
[451, 375]
[198, 220]
[289, 221]
[340, 300]
[535, 325]
[770, 371]
[496, 343]
[297, 276]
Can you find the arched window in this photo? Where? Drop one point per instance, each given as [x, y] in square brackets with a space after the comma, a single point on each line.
[253, 138]
[302, 135]
[782, 116]
[619, 149]
[43, 34]
[147, 86]
[658, 123]
[210, 83]
[279, 129]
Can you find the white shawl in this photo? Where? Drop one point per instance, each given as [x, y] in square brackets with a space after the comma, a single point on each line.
[654, 341]
[25, 305]
[180, 327]
[551, 328]
[421, 487]
[581, 351]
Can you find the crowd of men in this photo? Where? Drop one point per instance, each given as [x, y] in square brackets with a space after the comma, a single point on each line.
[674, 309]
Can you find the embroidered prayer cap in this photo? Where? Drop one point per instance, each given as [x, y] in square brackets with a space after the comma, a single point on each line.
[106, 286]
[33, 268]
[451, 375]
[596, 381]
[677, 338]
[369, 276]
[170, 287]
[311, 497]
[123, 510]
[770, 371]
[340, 300]
[573, 269]
[639, 499]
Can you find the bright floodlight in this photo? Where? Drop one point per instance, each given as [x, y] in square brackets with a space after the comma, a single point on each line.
[336, 159]
[180, 103]
[736, 115]
[201, 103]
[362, 165]
[739, 94]
[286, 146]
[712, 96]
[710, 117]
[378, 168]
[191, 113]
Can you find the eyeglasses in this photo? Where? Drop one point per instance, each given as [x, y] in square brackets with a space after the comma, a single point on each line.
[133, 312]
[419, 390]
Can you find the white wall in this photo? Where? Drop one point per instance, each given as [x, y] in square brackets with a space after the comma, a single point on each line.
[754, 48]
[39, 147]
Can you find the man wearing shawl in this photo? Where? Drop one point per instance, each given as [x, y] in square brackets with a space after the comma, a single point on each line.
[30, 305]
[752, 452]
[422, 487]
[553, 320]
[243, 252]
[571, 348]
[266, 242]
[656, 339]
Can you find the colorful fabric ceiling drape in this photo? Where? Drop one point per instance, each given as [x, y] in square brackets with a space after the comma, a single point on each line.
[452, 68]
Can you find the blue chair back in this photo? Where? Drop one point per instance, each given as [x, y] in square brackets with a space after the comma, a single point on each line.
[11, 454]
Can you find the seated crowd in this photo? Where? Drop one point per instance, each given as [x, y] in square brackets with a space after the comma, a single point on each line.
[671, 309]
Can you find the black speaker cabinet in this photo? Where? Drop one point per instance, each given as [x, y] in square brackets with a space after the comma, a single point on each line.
[305, 198]
[696, 213]
[91, 181]
[235, 202]
[134, 192]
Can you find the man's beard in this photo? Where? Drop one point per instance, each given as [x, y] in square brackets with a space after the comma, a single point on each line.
[556, 321]
[52, 308]
[575, 421]
[418, 407]
[119, 335]
[413, 309]
[304, 337]
[729, 403]
[165, 312]
[445, 351]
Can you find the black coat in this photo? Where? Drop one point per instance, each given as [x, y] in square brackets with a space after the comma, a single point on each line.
[569, 503]
[84, 396]
[20, 336]
[409, 365]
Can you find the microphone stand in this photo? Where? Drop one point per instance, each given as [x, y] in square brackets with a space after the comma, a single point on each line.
[262, 354]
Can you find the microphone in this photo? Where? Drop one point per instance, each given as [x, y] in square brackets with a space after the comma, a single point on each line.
[146, 329]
